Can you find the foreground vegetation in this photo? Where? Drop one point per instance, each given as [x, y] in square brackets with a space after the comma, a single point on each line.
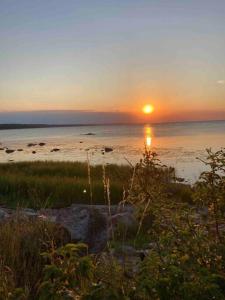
[184, 257]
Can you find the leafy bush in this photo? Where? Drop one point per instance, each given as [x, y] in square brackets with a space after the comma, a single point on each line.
[68, 275]
[210, 189]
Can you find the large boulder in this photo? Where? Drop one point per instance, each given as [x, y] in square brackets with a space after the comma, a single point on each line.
[124, 222]
[85, 224]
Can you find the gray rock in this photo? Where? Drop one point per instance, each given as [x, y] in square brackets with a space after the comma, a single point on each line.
[124, 218]
[127, 250]
[30, 213]
[125, 221]
[84, 223]
[8, 151]
[3, 215]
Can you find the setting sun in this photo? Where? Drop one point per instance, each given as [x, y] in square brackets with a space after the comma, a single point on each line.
[148, 109]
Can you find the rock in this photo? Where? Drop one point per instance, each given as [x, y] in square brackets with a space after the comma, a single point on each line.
[89, 133]
[31, 145]
[8, 151]
[108, 149]
[142, 254]
[55, 150]
[33, 152]
[42, 144]
[19, 150]
[85, 224]
[1, 149]
[125, 219]
[3, 215]
[97, 234]
[29, 213]
[127, 250]
[81, 142]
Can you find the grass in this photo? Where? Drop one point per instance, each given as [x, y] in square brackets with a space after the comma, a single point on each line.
[58, 184]
[23, 242]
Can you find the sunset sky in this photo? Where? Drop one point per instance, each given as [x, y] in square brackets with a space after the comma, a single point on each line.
[114, 56]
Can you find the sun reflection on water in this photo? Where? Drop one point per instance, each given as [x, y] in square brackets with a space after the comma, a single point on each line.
[148, 141]
[148, 136]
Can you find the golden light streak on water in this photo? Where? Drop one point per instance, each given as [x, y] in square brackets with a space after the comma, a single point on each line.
[148, 136]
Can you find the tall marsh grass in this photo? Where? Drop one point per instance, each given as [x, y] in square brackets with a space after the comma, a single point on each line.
[59, 184]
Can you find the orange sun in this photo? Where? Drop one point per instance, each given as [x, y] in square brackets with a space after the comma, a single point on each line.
[148, 109]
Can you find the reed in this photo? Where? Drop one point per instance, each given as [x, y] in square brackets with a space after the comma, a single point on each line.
[59, 184]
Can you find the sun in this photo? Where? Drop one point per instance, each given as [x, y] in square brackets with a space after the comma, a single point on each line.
[148, 109]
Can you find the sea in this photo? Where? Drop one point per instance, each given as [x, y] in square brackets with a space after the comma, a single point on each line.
[177, 144]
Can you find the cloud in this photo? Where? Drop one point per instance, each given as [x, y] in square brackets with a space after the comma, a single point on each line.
[221, 81]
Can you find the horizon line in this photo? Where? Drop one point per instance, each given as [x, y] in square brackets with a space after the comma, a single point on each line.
[45, 125]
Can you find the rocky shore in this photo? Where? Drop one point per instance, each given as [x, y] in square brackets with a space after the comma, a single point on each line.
[91, 224]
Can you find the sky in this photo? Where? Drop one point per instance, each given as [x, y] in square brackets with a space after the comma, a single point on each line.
[112, 57]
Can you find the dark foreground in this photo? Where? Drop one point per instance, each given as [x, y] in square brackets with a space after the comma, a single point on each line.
[172, 245]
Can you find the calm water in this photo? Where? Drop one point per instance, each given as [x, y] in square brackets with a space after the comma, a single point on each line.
[178, 144]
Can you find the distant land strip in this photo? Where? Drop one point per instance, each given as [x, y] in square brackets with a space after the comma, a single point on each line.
[33, 126]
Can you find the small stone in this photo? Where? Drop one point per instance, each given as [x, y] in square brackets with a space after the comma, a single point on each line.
[108, 149]
[89, 133]
[55, 150]
[8, 151]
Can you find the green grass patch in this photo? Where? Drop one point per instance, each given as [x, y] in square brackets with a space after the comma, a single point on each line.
[58, 184]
